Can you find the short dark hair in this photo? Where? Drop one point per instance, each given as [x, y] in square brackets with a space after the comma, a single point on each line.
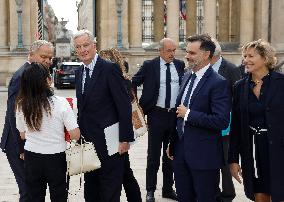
[206, 42]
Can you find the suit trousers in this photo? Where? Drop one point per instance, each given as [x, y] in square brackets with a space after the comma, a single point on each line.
[228, 190]
[161, 124]
[130, 184]
[43, 169]
[193, 185]
[17, 166]
[105, 183]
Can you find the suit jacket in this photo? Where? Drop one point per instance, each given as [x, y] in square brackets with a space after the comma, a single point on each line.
[149, 76]
[104, 103]
[241, 142]
[210, 107]
[230, 72]
[10, 130]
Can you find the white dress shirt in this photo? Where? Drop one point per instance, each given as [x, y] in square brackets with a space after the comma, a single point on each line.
[174, 84]
[91, 68]
[199, 75]
[217, 64]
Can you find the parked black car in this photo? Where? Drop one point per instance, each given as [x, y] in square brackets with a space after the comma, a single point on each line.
[64, 74]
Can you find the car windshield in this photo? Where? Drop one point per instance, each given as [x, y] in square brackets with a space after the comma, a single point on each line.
[69, 68]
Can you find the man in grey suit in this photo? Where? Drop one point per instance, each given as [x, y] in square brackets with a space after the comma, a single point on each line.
[41, 51]
[232, 74]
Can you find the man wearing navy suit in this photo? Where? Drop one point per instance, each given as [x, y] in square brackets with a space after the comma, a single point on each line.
[41, 51]
[161, 78]
[204, 104]
[102, 101]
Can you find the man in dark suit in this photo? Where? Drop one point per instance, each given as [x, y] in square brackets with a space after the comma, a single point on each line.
[204, 104]
[232, 74]
[161, 78]
[41, 51]
[102, 101]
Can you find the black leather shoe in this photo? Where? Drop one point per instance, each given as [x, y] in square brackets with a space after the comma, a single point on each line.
[150, 196]
[170, 194]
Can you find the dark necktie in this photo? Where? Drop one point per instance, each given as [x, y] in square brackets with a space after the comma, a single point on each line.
[185, 103]
[168, 86]
[87, 79]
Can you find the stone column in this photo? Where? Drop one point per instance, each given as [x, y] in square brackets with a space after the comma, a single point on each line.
[210, 17]
[234, 30]
[190, 17]
[107, 28]
[135, 24]
[173, 20]
[277, 29]
[3, 24]
[158, 20]
[261, 19]
[125, 24]
[224, 17]
[246, 21]
[13, 25]
[33, 23]
[26, 23]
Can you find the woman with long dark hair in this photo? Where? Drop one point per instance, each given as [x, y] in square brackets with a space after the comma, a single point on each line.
[41, 118]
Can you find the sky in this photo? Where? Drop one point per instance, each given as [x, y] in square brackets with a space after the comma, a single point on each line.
[66, 9]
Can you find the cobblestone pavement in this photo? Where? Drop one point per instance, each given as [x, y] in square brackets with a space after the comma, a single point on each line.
[8, 186]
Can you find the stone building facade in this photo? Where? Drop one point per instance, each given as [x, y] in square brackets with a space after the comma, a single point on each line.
[232, 22]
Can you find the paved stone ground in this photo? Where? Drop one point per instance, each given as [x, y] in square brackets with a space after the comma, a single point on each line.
[8, 186]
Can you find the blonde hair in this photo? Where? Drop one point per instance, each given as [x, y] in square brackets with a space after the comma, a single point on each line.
[113, 55]
[264, 49]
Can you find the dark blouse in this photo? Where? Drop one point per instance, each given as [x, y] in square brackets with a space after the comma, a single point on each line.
[257, 105]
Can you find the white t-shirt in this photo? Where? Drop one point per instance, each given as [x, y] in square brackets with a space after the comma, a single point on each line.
[50, 139]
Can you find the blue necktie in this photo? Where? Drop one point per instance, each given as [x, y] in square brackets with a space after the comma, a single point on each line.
[168, 86]
[185, 103]
[87, 79]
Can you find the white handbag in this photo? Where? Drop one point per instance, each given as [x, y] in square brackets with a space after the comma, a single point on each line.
[81, 158]
[138, 120]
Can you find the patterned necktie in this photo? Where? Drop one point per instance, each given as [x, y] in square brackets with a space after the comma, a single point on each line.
[185, 103]
[168, 86]
[87, 79]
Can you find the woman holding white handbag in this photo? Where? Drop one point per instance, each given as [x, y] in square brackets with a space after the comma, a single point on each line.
[40, 118]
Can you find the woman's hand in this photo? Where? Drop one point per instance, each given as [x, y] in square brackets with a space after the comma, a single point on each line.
[236, 171]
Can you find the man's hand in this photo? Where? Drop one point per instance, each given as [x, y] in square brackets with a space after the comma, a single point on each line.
[181, 111]
[22, 156]
[236, 171]
[123, 147]
[168, 153]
